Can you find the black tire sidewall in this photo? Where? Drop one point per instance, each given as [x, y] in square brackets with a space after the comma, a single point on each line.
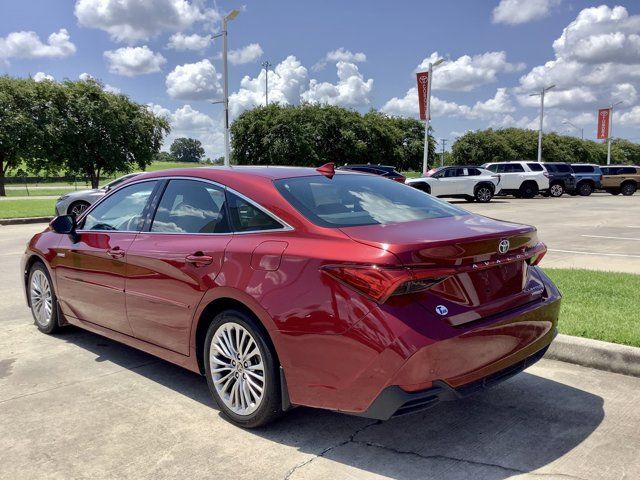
[585, 190]
[528, 190]
[271, 406]
[53, 325]
[628, 189]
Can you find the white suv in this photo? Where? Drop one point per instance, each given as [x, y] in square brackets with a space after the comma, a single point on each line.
[471, 183]
[522, 179]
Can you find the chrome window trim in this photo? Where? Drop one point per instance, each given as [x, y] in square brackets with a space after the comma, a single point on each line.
[285, 226]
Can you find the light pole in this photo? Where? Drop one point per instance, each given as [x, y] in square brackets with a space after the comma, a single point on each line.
[444, 142]
[542, 92]
[567, 122]
[266, 64]
[425, 158]
[225, 20]
[611, 130]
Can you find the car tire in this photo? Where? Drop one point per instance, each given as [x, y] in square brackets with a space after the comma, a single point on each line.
[42, 299]
[627, 189]
[556, 190]
[614, 192]
[423, 187]
[483, 194]
[77, 208]
[244, 380]
[529, 190]
[585, 189]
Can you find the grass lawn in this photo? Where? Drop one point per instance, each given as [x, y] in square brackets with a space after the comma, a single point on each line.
[22, 192]
[27, 208]
[600, 305]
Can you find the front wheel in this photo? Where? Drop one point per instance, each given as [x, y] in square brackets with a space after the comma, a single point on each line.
[483, 194]
[241, 370]
[77, 208]
[556, 190]
[42, 299]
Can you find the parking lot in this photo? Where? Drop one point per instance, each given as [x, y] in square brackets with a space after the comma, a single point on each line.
[76, 405]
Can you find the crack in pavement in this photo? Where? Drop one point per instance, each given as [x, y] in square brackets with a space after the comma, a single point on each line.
[351, 439]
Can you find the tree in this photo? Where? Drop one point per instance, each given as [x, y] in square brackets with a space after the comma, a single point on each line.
[187, 150]
[19, 132]
[96, 133]
[164, 157]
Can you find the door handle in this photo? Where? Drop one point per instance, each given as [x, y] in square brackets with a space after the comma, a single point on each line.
[198, 259]
[116, 252]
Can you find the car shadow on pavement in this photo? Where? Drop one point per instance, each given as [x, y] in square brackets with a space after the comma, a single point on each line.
[517, 427]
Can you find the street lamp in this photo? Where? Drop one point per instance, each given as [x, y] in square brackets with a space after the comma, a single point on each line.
[542, 92]
[425, 158]
[567, 122]
[611, 130]
[266, 64]
[225, 20]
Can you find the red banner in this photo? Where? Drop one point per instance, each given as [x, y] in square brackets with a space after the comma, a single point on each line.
[423, 87]
[603, 123]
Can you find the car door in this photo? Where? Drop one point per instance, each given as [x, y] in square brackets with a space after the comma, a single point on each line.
[175, 260]
[91, 271]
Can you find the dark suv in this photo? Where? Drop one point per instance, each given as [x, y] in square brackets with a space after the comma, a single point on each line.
[561, 178]
[588, 178]
[386, 171]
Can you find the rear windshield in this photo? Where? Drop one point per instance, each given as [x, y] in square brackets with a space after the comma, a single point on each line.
[352, 200]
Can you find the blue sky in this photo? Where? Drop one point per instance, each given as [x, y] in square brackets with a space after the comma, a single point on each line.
[360, 54]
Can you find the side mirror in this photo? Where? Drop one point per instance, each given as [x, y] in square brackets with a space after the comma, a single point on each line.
[65, 224]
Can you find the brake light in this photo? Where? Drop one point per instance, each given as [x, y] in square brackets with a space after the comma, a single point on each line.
[540, 250]
[380, 283]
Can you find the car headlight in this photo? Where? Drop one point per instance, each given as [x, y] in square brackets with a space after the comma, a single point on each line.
[63, 197]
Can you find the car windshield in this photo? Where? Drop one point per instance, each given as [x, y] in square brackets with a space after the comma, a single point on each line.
[352, 200]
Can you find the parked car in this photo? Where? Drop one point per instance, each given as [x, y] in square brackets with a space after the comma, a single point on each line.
[74, 203]
[293, 286]
[522, 179]
[468, 182]
[588, 178]
[386, 171]
[561, 178]
[624, 179]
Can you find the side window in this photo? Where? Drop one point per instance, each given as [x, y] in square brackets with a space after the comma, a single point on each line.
[245, 217]
[535, 167]
[493, 168]
[191, 206]
[513, 168]
[564, 168]
[450, 172]
[473, 172]
[122, 210]
[627, 171]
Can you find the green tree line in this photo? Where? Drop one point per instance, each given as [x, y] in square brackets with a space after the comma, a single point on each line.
[74, 126]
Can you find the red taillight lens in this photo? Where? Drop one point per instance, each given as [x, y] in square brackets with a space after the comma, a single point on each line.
[379, 283]
[540, 250]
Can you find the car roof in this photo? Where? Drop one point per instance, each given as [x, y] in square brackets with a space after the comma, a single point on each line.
[366, 165]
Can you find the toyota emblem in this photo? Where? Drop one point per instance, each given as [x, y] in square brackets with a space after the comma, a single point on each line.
[503, 246]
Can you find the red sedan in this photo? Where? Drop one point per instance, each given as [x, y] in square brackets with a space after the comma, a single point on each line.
[294, 286]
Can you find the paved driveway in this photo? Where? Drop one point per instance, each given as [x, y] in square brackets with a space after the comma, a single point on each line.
[77, 405]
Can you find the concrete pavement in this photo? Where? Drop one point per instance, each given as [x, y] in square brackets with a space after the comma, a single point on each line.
[76, 405]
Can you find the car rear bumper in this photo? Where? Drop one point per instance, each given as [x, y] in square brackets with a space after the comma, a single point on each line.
[394, 401]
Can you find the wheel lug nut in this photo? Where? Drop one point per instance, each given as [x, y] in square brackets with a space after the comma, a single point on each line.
[237, 375]
[246, 364]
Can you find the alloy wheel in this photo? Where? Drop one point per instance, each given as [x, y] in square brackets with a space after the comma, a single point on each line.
[41, 298]
[556, 190]
[77, 208]
[628, 189]
[484, 194]
[237, 368]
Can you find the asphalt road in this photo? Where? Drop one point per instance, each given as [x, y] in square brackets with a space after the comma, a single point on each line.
[76, 405]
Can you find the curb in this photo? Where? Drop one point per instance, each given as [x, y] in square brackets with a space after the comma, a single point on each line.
[22, 221]
[610, 357]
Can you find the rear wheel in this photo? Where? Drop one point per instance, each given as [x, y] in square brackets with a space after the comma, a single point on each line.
[556, 190]
[529, 190]
[77, 208]
[628, 189]
[241, 370]
[585, 189]
[42, 298]
[483, 194]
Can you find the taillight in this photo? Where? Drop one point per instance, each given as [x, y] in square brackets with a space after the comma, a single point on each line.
[540, 251]
[380, 283]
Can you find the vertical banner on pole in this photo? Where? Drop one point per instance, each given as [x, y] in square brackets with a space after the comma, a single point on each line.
[603, 123]
[423, 89]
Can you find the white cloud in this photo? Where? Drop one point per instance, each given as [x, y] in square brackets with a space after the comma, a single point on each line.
[28, 45]
[86, 77]
[111, 89]
[247, 54]
[597, 60]
[41, 76]
[180, 41]
[351, 90]
[468, 72]
[134, 20]
[194, 81]
[132, 61]
[515, 12]
[287, 81]
[107, 88]
[340, 55]
[632, 117]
